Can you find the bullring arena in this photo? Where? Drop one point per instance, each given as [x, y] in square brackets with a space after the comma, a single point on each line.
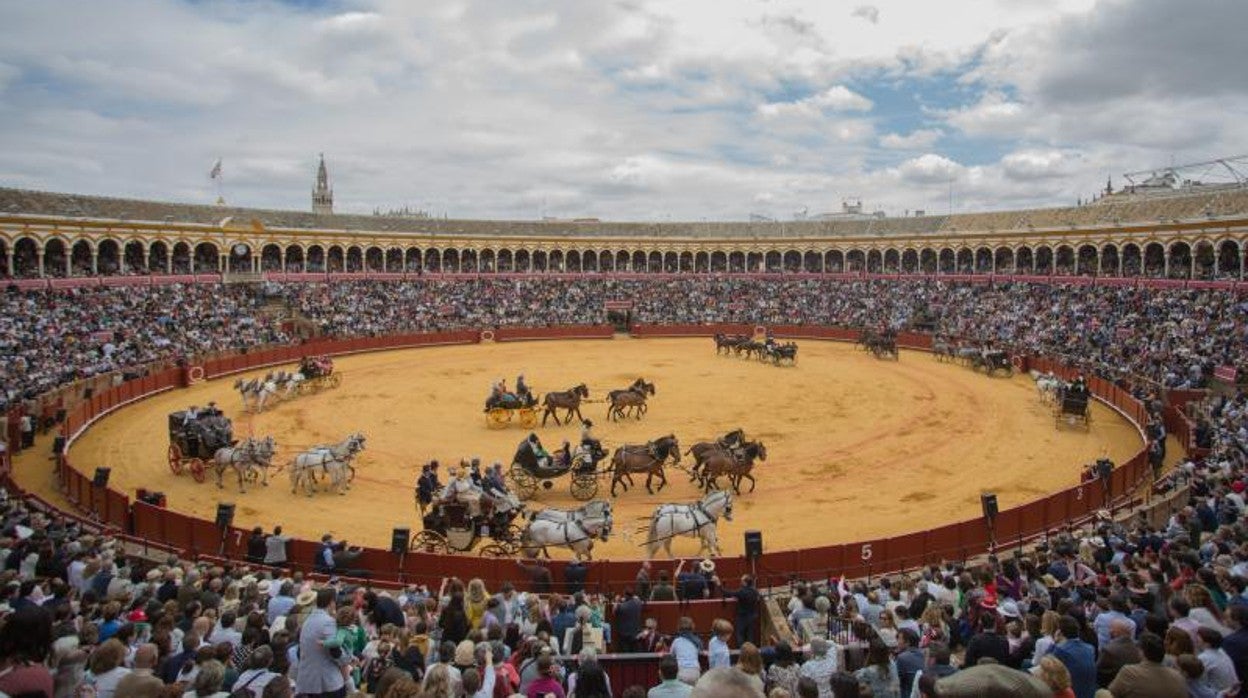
[872, 465]
[849, 438]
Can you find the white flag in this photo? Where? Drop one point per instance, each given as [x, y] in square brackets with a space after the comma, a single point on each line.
[216, 170]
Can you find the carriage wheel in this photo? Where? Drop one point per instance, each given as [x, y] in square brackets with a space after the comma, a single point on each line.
[175, 459]
[335, 380]
[526, 484]
[198, 471]
[584, 486]
[528, 417]
[497, 418]
[429, 542]
[496, 550]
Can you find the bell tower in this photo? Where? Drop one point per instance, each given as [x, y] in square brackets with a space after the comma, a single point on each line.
[322, 195]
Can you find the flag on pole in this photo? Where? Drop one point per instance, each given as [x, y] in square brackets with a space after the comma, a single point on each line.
[216, 170]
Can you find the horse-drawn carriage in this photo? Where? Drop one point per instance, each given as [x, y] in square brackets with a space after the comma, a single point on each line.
[529, 470]
[453, 527]
[317, 374]
[1072, 407]
[881, 344]
[990, 362]
[776, 353]
[195, 437]
[500, 410]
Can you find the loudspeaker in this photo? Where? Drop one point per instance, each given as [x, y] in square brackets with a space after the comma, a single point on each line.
[101, 477]
[753, 543]
[399, 540]
[225, 515]
[989, 500]
[58, 445]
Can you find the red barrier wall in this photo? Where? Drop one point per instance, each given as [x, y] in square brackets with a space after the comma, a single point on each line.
[953, 541]
[513, 334]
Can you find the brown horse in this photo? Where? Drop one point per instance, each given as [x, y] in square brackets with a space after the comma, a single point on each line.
[569, 400]
[735, 466]
[648, 459]
[727, 342]
[702, 449]
[631, 398]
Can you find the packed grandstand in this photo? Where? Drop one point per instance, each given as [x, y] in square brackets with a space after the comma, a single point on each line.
[104, 290]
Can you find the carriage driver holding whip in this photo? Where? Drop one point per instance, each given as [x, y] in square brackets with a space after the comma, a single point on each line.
[592, 446]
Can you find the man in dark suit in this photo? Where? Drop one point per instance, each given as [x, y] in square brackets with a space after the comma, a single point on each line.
[748, 602]
[172, 665]
[1117, 653]
[628, 621]
[1236, 644]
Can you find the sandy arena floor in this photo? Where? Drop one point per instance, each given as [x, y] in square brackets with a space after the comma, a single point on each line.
[857, 447]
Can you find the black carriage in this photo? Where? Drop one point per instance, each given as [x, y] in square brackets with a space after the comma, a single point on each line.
[501, 410]
[775, 353]
[527, 474]
[991, 362]
[450, 527]
[195, 438]
[1073, 408]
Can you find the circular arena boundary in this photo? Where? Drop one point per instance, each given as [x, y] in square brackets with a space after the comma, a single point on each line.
[145, 523]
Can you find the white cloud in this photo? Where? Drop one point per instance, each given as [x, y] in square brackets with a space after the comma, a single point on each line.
[929, 168]
[869, 13]
[993, 115]
[1036, 164]
[837, 98]
[918, 139]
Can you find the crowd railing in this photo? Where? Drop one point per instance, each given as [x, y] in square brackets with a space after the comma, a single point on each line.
[956, 541]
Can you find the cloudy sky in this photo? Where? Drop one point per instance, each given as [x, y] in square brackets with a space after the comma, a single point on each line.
[628, 110]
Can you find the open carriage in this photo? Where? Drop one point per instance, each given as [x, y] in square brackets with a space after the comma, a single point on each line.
[450, 527]
[991, 362]
[194, 438]
[318, 374]
[527, 474]
[502, 410]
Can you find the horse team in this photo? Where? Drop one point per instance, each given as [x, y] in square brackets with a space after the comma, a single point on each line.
[745, 346]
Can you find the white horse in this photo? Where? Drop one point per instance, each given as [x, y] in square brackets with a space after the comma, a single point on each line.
[1047, 386]
[288, 383]
[334, 460]
[671, 520]
[575, 530]
[257, 391]
[251, 454]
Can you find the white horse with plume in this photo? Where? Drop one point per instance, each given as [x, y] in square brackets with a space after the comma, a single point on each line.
[288, 383]
[575, 530]
[333, 460]
[1047, 386]
[256, 392]
[671, 520]
[245, 457]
